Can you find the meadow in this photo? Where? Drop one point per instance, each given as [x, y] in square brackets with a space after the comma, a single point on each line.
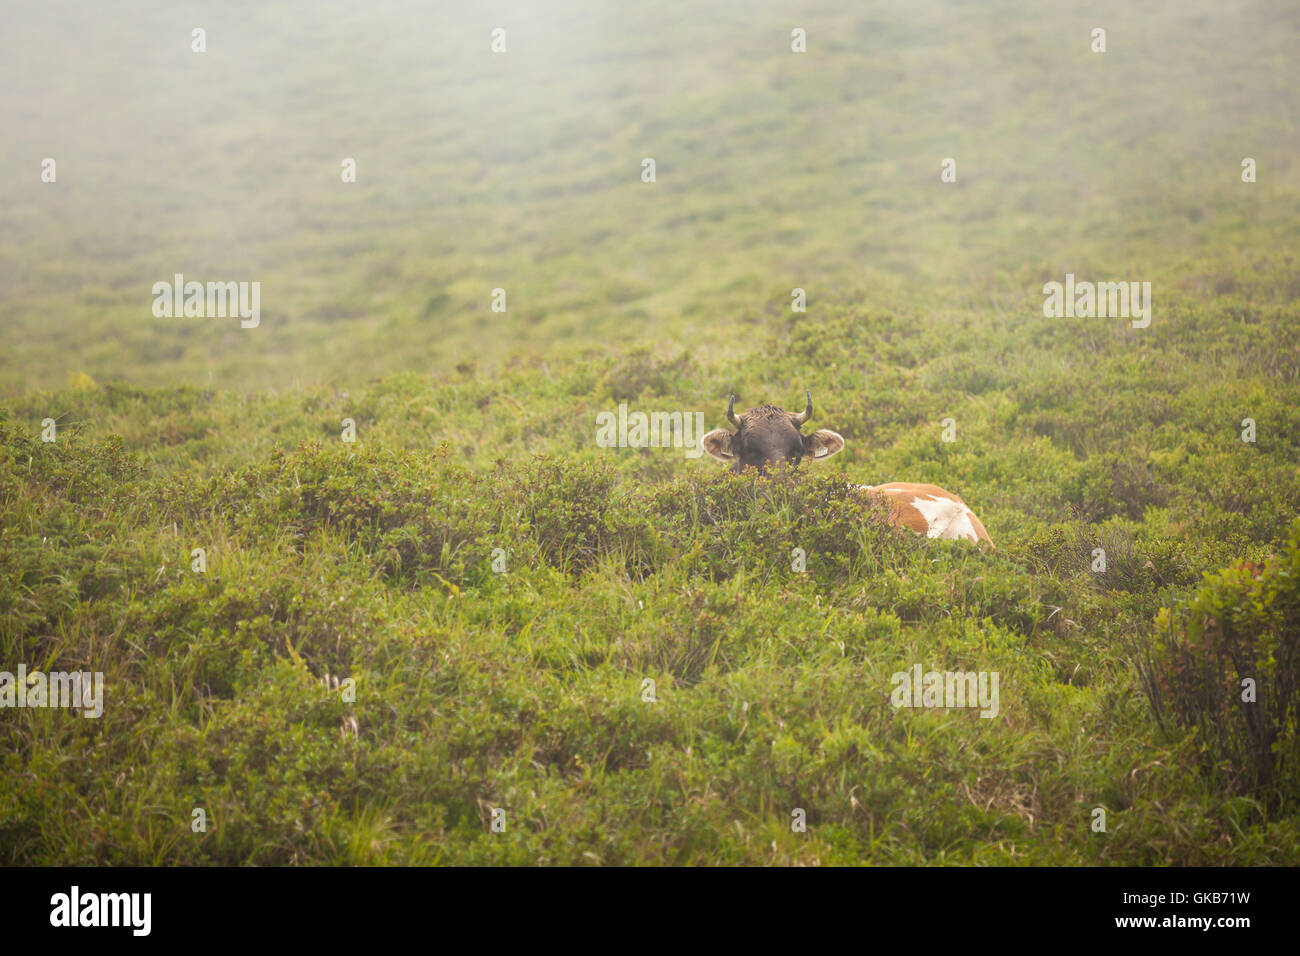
[495, 588]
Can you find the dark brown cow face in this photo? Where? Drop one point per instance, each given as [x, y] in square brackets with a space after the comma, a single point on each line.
[767, 436]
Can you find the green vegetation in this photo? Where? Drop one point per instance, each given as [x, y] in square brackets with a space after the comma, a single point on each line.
[1243, 621]
[523, 690]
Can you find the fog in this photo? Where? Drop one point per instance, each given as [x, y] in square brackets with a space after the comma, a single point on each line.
[478, 169]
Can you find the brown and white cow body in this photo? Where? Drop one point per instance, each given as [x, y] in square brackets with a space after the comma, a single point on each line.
[767, 436]
[929, 510]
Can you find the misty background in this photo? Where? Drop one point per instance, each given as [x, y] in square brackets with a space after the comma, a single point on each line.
[522, 170]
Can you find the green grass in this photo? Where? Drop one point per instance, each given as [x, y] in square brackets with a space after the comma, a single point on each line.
[475, 431]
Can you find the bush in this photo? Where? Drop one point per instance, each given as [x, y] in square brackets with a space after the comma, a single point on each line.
[1244, 622]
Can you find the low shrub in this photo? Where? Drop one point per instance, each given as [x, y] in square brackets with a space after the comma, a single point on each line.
[1227, 666]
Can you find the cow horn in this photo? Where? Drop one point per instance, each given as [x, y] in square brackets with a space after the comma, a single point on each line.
[731, 412]
[800, 417]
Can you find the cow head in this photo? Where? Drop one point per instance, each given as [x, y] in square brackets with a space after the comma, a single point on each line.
[767, 436]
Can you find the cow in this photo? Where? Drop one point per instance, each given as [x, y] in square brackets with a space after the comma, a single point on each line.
[767, 436]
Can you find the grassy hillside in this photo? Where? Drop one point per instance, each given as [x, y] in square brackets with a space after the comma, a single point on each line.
[522, 171]
[523, 690]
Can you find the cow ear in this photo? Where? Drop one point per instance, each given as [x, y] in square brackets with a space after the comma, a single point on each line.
[718, 444]
[822, 444]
